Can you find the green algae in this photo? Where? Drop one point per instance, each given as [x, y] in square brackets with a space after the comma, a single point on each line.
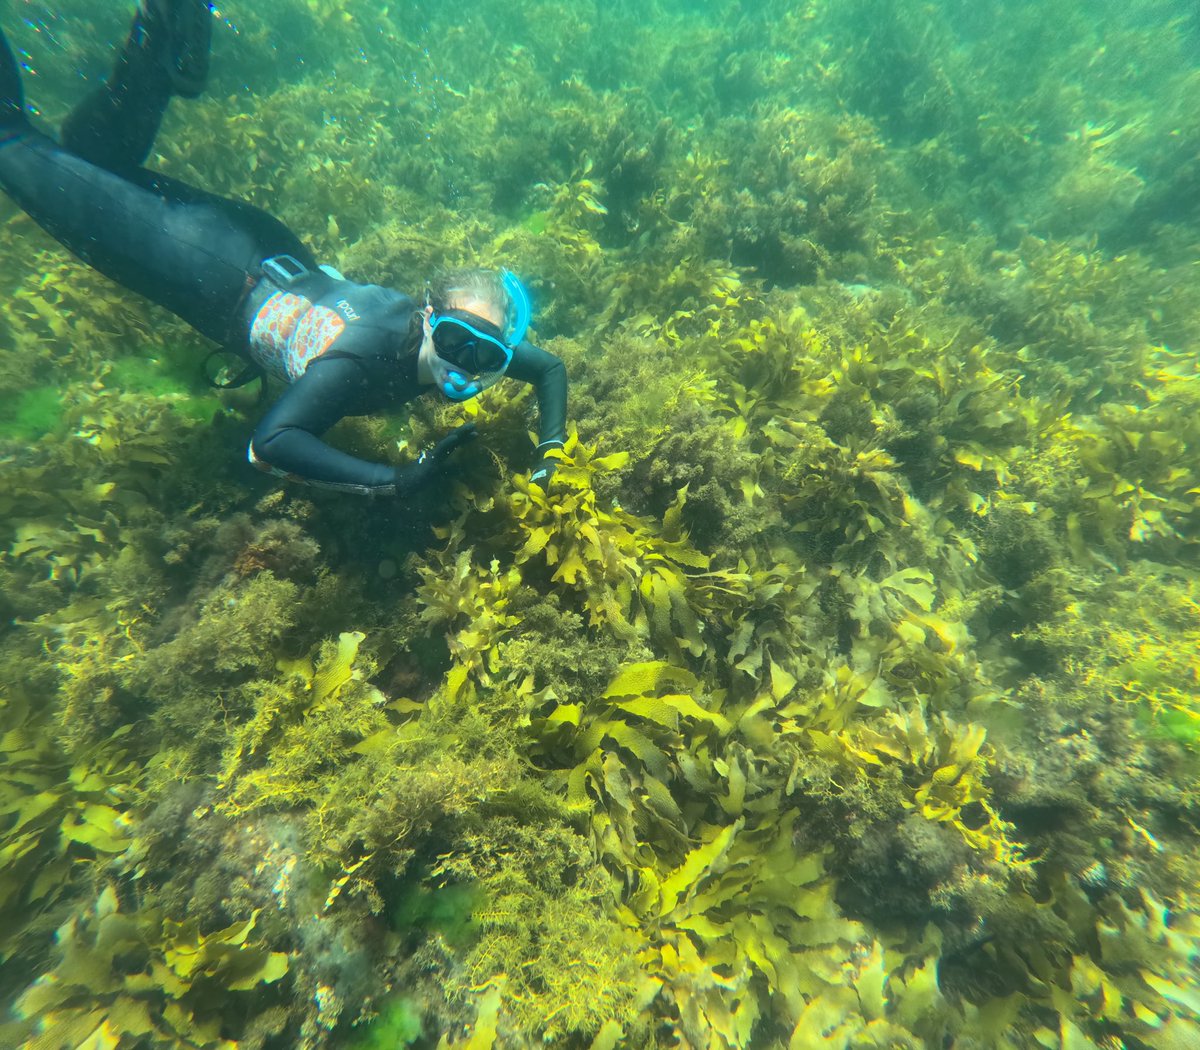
[445, 910]
[1182, 726]
[398, 1025]
[32, 414]
[168, 379]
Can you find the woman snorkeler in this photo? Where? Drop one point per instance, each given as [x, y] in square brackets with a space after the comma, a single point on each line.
[242, 278]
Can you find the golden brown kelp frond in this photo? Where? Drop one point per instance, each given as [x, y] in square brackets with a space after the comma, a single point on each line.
[1123, 968]
[944, 769]
[137, 978]
[691, 297]
[793, 211]
[70, 502]
[473, 608]
[1143, 464]
[63, 316]
[742, 938]
[1074, 318]
[64, 812]
[652, 766]
[633, 580]
[1119, 484]
[329, 178]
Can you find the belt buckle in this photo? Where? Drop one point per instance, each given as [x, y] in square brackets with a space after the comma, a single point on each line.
[284, 270]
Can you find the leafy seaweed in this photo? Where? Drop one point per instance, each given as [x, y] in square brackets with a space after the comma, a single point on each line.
[840, 686]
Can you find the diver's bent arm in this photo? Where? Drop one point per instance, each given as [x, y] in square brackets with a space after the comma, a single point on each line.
[286, 441]
[548, 376]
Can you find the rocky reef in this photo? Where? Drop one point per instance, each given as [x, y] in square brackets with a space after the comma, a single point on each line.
[841, 689]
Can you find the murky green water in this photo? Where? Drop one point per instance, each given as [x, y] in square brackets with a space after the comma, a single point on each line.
[840, 690]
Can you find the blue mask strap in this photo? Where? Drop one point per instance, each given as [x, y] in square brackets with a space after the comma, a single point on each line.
[522, 311]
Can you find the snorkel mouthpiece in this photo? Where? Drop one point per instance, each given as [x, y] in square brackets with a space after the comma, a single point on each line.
[458, 387]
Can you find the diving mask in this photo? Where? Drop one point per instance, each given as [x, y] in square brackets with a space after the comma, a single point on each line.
[471, 353]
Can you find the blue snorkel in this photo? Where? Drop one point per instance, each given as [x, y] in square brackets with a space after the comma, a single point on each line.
[520, 311]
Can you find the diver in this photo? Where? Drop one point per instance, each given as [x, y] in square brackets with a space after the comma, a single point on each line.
[240, 277]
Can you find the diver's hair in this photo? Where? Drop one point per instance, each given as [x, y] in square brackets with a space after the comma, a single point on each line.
[469, 282]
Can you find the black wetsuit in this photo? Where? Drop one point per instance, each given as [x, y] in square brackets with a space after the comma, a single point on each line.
[201, 256]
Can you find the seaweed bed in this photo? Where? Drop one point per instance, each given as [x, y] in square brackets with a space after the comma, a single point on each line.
[843, 688]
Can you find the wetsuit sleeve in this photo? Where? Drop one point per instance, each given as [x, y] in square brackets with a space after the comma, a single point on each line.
[287, 440]
[549, 378]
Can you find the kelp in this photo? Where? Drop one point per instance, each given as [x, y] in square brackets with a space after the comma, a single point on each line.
[944, 772]
[61, 814]
[141, 979]
[838, 687]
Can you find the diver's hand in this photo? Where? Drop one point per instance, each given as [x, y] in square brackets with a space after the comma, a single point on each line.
[430, 462]
[544, 467]
[458, 436]
[543, 471]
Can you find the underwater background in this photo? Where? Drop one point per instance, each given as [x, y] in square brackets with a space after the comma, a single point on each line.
[843, 688]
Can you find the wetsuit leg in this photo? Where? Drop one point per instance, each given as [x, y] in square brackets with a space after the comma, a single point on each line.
[189, 251]
[166, 54]
[187, 41]
[116, 124]
[12, 98]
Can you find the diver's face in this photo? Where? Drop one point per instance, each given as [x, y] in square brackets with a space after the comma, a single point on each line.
[432, 369]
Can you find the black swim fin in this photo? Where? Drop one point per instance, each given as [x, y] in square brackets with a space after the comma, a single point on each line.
[180, 32]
